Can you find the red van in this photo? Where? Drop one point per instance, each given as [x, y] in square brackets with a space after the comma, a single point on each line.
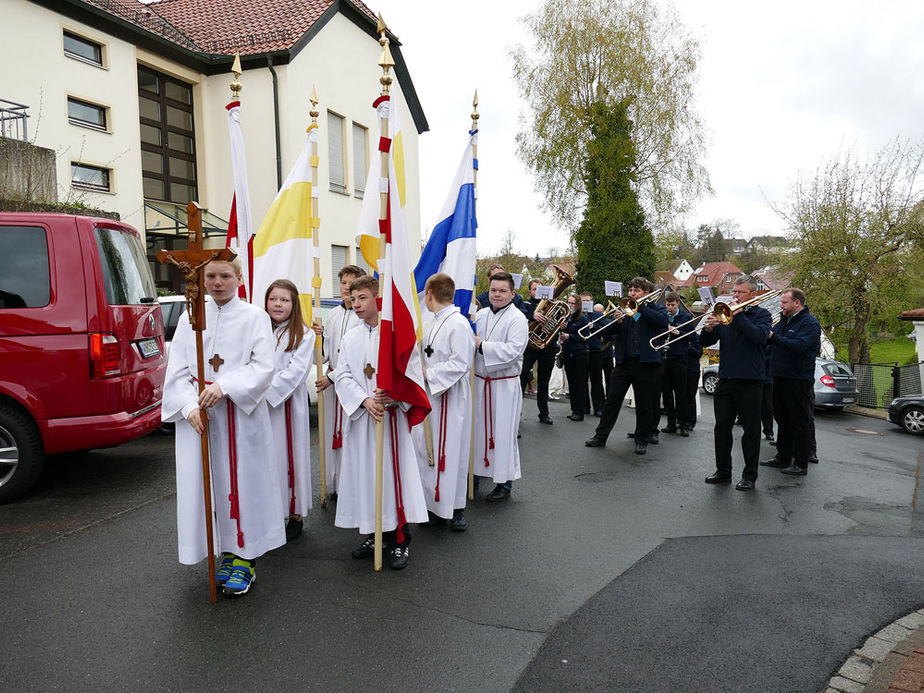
[81, 341]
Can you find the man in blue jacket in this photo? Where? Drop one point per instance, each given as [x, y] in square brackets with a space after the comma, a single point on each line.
[637, 364]
[741, 379]
[794, 344]
[673, 380]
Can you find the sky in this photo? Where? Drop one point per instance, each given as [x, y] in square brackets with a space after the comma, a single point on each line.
[782, 87]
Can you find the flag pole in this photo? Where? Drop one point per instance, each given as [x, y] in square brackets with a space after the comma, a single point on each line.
[316, 285]
[471, 447]
[386, 62]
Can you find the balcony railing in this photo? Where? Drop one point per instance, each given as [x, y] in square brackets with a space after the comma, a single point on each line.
[13, 120]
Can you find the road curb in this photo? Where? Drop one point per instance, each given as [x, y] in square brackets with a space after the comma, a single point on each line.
[867, 411]
[890, 661]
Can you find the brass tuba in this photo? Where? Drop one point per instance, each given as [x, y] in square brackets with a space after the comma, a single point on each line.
[541, 334]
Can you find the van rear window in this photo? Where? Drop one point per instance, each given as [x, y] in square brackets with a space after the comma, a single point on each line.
[24, 274]
[126, 273]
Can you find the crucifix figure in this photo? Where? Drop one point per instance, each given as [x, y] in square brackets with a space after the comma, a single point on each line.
[215, 362]
[369, 370]
[192, 263]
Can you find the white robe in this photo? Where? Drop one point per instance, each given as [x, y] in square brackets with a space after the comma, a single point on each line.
[356, 499]
[448, 385]
[339, 322]
[505, 334]
[241, 334]
[290, 385]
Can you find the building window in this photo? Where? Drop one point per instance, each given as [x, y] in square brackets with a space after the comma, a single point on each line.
[361, 261]
[168, 138]
[338, 259]
[702, 278]
[359, 160]
[336, 152]
[87, 114]
[83, 49]
[87, 177]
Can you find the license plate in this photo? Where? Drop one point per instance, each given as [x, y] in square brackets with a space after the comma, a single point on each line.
[848, 400]
[149, 348]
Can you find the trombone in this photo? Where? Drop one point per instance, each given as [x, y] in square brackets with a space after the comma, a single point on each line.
[723, 312]
[610, 309]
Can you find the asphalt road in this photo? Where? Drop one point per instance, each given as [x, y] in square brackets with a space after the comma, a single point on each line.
[629, 567]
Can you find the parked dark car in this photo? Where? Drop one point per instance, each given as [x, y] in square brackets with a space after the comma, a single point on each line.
[908, 412]
[835, 383]
[81, 341]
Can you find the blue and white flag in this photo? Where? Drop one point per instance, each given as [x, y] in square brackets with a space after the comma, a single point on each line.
[451, 246]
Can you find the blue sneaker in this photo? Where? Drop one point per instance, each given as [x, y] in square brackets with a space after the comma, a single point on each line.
[224, 569]
[242, 577]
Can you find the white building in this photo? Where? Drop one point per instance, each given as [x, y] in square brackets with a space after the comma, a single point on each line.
[132, 98]
[683, 271]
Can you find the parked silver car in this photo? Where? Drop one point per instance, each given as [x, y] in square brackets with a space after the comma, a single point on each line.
[835, 383]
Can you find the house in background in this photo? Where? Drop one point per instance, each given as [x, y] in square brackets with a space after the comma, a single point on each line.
[131, 96]
[682, 271]
[720, 276]
[772, 277]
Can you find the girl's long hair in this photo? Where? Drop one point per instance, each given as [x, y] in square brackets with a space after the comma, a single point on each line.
[296, 329]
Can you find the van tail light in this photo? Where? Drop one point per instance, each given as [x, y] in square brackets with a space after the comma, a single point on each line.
[827, 380]
[104, 355]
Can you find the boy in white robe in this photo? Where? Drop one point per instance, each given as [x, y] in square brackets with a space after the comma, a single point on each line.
[449, 346]
[402, 494]
[247, 508]
[340, 320]
[501, 335]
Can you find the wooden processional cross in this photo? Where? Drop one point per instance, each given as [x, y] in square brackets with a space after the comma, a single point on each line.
[191, 263]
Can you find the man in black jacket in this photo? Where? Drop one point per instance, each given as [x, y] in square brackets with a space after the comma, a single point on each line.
[794, 344]
[673, 381]
[637, 364]
[741, 381]
[482, 298]
[544, 357]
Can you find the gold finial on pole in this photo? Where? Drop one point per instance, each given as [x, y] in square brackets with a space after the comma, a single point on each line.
[386, 62]
[237, 71]
[475, 114]
[314, 105]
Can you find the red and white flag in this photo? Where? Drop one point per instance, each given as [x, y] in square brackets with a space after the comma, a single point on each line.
[399, 371]
[240, 228]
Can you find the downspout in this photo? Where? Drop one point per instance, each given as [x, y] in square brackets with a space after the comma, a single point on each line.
[269, 64]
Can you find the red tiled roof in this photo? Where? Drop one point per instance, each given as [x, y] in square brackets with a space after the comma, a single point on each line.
[913, 314]
[776, 278]
[716, 271]
[226, 27]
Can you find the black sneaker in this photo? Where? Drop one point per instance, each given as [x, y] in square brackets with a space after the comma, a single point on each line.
[367, 548]
[399, 557]
[500, 493]
[458, 522]
[293, 529]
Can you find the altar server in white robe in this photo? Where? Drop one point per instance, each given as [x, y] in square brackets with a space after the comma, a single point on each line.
[247, 508]
[287, 398]
[402, 502]
[449, 346]
[501, 335]
[340, 320]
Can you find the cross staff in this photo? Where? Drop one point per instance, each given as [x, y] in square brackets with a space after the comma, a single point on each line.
[191, 262]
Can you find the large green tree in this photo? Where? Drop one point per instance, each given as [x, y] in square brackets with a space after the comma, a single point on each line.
[587, 52]
[613, 242]
[859, 227]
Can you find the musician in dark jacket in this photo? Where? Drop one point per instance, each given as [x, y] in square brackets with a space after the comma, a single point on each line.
[741, 380]
[544, 357]
[483, 296]
[794, 344]
[694, 354]
[574, 357]
[673, 379]
[636, 364]
[594, 359]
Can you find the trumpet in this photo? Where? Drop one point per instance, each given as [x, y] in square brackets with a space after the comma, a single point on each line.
[722, 312]
[610, 309]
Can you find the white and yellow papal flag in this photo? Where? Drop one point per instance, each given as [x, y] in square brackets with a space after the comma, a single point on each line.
[283, 247]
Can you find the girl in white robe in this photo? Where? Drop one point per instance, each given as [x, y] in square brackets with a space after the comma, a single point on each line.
[238, 344]
[287, 397]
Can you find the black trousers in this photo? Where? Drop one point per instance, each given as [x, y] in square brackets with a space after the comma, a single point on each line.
[643, 377]
[607, 361]
[737, 399]
[690, 395]
[595, 377]
[576, 371]
[766, 409]
[793, 410]
[674, 391]
[546, 360]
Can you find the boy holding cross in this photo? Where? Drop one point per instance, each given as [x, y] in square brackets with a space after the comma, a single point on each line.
[247, 511]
